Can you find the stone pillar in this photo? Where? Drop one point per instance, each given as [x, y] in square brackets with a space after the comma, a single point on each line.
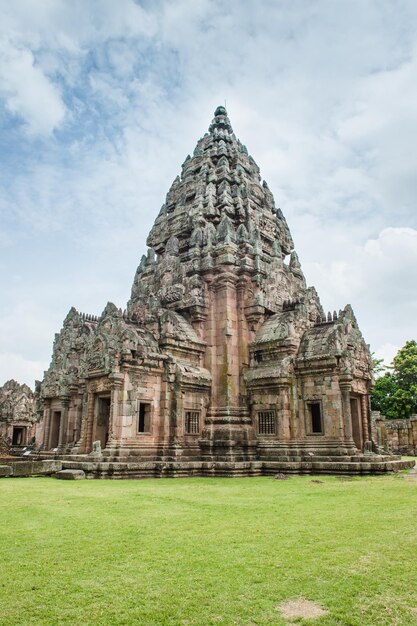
[115, 425]
[87, 434]
[78, 415]
[226, 346]
[72, 416]
[286, 426]
[365, 421]
[345, 387]
[82, 417]
[47, 423]
[243, 334]
[63, 424]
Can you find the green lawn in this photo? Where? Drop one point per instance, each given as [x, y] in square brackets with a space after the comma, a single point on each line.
[207, 551]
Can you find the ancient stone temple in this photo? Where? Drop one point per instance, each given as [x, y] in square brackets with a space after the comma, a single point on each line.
[224, 361]
[17, 415]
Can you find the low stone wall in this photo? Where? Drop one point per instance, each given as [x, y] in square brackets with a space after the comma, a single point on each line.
[400, 436]
[4, 471]
[30, 468]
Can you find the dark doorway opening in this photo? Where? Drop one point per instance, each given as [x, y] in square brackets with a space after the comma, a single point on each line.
[102, 421]
[316, 419]
[144, 418]
[55, 425]
[356, 422]
[18, 436]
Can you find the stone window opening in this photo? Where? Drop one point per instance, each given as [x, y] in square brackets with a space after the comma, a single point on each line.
[267, 422]
[315, 418]
[144, 417]
[192, 422]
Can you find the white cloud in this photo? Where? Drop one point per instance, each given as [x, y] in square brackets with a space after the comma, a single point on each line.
[323, 95]
[27, 91]
[23, 370]
[378, 280]
[387, 352]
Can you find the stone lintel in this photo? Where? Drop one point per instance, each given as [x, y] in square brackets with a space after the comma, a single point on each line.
[345, 383]
[268, 383]
[224, 280]
[117, 379]
[254, 313]
[198, 312]
[185, 347]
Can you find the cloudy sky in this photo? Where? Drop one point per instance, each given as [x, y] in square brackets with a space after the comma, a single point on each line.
[101, 101]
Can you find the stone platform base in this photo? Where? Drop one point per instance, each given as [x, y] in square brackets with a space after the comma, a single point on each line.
[159, 469]
[70, 474]
[30, 468]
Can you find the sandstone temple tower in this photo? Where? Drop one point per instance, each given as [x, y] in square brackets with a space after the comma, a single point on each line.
[223, 361]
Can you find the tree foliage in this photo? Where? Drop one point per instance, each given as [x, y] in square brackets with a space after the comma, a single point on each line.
[395, 392]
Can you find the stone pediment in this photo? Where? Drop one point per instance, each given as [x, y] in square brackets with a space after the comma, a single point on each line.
[17, 403]
[174, 326]
[192, 374]
[117, 339]
[340, 341]
[68, 353]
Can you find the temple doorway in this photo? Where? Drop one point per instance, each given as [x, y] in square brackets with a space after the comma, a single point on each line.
[102, 420]
[18, 436]
[356, 422]
[55, 426]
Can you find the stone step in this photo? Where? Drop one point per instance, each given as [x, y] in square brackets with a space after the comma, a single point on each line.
[228, 468]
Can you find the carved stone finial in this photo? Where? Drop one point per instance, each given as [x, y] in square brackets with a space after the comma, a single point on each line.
[276, 250]
[295, 265]
[221, 122]
[173, 246]
[226, 231]
[242, 234]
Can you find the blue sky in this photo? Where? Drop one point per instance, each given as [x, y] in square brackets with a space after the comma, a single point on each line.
[101, 101]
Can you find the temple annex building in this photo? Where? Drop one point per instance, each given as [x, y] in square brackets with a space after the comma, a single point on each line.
[224, 362]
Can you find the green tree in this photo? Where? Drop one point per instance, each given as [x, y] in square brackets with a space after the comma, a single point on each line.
[378, 365]
[395, 393]
[405, 366]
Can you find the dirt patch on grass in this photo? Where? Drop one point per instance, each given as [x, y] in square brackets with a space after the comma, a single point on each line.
[299, 607]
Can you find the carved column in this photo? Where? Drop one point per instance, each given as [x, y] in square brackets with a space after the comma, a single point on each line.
[47, 423]
[226, 380]
[70, 428]
[365, 422]
[87, 434]
[81, 427]
[63, 424]
[115, 426]
[78, 418]
[345, 387]
[285, 422]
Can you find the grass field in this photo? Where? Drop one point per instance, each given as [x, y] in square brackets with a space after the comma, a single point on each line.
[208, 551]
